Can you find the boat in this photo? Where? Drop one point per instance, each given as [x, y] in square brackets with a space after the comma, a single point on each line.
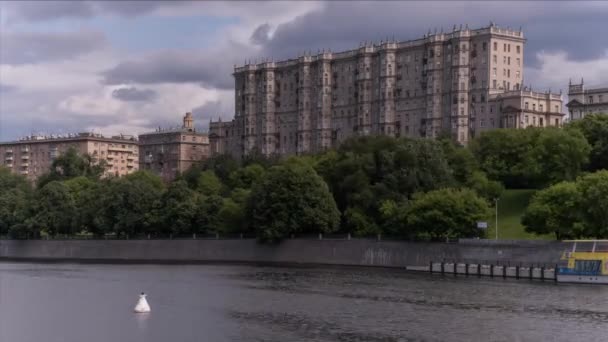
[587, 262]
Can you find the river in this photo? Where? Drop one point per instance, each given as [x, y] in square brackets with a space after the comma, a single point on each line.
[94, 303]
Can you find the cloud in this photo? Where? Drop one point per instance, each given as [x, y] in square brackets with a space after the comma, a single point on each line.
[208, 68]
[556, 69]
[342, 26]
[34, 47]
[6, 88]
[52, 10]
[134, 94]
[261, 34]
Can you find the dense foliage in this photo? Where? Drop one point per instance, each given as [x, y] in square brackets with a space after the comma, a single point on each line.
[408, 188]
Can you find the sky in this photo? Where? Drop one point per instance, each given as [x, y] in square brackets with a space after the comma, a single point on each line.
[131, 66]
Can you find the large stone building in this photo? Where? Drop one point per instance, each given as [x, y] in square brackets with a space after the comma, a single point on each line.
[460, 82]
[169, 152]
[586, 101]
[34, 155]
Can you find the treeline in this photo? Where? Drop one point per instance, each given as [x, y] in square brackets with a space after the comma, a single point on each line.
[407, 188]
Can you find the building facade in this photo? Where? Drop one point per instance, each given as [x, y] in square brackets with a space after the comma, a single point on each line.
[33, 156]
[444, 82]
[583, 101]
[169, 152]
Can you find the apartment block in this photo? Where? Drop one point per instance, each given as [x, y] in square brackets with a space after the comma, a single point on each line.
[584, 101]
[444, 82]
[169, 152]
[33, 156]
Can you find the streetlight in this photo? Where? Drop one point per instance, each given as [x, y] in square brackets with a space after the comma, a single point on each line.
[496, 225]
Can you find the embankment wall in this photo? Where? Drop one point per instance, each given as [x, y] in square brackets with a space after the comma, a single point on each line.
[355, 252]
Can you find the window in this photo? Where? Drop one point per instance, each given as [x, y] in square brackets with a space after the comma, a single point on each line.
[504, 59]
[557, 109]
[518, 61]
[493, 84]
[509, 60]
[534, 106]
[481, 122]
[590, 99]
[504, 48]
[599, 98]
[540, 107]
[495, 46]
[517, 49]
[508, 72]
[494, 59]
[540, 121]
[534, 120]
[509, 48]
[526, 105]
[484, 46]
[504, 72]
[494, 72]
[527, 119]
[517, 74]
[556, 122]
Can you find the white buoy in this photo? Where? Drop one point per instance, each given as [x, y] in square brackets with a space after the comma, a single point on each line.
[142, 304]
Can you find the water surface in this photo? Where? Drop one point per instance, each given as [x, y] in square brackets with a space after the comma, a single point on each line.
[94, 303]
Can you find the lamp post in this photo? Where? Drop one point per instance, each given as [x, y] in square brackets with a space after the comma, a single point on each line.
[496, 216]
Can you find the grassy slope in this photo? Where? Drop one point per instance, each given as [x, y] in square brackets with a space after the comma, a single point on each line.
[510, 209]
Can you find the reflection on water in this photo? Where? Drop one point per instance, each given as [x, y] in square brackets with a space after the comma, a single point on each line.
[94, 303]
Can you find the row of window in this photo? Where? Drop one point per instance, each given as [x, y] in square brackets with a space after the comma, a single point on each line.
[600, 98]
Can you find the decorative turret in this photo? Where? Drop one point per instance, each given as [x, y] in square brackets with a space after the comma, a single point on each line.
[188, 122]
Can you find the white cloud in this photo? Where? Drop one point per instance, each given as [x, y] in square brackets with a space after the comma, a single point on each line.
[555, 70]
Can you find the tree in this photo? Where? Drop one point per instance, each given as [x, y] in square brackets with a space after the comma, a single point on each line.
[558, 155]
[53, 209]
[15, 194]
[207, 215]
[484, 187]
[291, 198]
[209, 184]
[594, 203]
[246, 176]
[555, 210]
[84, 192]
[71, 164]
[178, 209]
[447, 213]
[595, 129]
[503, 154]
[128, 206]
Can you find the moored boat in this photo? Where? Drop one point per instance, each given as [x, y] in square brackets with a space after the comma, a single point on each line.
[587, 262]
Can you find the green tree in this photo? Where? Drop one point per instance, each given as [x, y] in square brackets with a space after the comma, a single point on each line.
[291, 198]
[447, 213]
[555, 210]
[178, 209]
[209, 184]
[246, 176]
[594, 204]
[207, 215]
[84, 192]
[15, 194]
[559, 155]
[484, 187]
[128, 206]
[53, 207]
[71, 164]
[595, 129]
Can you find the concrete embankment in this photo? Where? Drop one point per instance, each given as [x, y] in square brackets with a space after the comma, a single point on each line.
[355, 252]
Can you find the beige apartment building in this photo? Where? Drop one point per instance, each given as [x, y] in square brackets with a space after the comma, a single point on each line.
[584, 101]
[169, 152]
[34, 155]
[461, 82]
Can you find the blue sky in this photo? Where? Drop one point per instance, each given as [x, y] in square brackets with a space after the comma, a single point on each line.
[129, 66]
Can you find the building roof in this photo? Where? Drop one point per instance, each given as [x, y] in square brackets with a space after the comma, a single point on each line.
[77, 137]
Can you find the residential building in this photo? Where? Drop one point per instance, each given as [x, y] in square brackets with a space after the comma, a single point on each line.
[443, 82]
[586, 101]
[33, 156]
[169, 152]
[520, 109]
